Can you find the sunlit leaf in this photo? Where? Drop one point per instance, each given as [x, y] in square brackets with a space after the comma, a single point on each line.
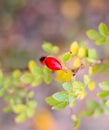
[46, 70]
[1, 77]
[107, 103]
[30, 112]
[61, 96]
[78, 84]
[19, 108]
[92, 34]
[100, 41]
[63, 76]
[60, 106]
[2, 92]
[21, 118]
[31, 64]
[104, 86]
[7, 83]
[52, 101]
[67, 86]
[74, 48]
[47, 78]
[91, 85]
[30, 94]
[16, 74]
[77, 63]
[76, 123]
[66, 57]
[86, 79]
[47, 46]
[89, 112]
[27, 78]
[72, 100]
[32, 104]
[37, 71]
[104, 67]
[37, 81]
[92, 104]
[103, 29]
[55, 49]
[82, 52]
[92, 54]
[103, 94]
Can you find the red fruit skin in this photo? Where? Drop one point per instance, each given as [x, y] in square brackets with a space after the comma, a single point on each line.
[52, 63]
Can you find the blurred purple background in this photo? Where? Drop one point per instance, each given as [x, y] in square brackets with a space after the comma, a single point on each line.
[24, 26]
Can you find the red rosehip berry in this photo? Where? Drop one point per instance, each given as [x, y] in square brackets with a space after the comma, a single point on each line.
[51, 62]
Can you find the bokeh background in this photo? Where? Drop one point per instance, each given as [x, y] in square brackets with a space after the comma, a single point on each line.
[24, 26]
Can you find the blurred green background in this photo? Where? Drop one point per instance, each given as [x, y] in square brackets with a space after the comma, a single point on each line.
[25, 25]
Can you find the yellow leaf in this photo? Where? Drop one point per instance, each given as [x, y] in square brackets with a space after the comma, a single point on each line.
[74, 48]
[19, 108]
[81, 52]
[82, 94]
[77, 63]
[31, 64]
[90, 70]
[92, 85]
[64, 76]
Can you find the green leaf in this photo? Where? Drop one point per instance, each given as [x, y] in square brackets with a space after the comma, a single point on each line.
[47, 75]
[7, 83]
[32, 104]
[103, 29]
[30, 112]
[104, 67]
[91, 85]
[22, 94]
[16, 74]
[107, 103]
[31, 94]
[60, 106]
[47, 78]
[104, 86]
[98, 111]
[92, 54]
[67, 86]
[21, 118]
[27, 78]
[72, 100]
[37, 71]
[66, 57]
[2, 92]
[55, 49]
[77, 84]
[82, 43]
[76, 123]
[92, 104]
[92, 34]
[47, 47]
[52, 101]
[61, 96]
[8, 97]
[19, 108]
[86, 79]
[1, 77]
[103, 94]
[46, 70]
[89, 112]
[17, 100]
[37, 81]
[100, 41]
